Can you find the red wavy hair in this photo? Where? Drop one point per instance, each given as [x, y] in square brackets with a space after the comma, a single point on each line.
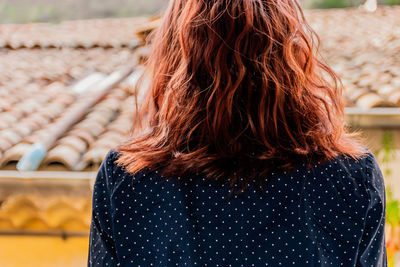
[236, 90]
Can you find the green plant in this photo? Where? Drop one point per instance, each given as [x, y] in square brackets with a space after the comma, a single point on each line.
[328, 3]
[386, 154]
[391, 2]
[392, 208]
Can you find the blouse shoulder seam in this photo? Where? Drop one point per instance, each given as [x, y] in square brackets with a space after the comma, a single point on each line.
[368, 166]
[110, 167]
[112, 156]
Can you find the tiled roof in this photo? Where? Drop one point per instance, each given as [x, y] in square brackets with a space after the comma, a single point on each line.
[34, 213]
[41, 63]
[33, 105]
[39, 67]
[104, 33]
[364, 49]
[104, 126]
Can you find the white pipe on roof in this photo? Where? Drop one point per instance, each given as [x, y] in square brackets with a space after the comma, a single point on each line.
[370, 5]
[88, 83]
[32, 159]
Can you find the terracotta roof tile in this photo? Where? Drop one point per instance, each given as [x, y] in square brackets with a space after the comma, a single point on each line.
[363, 48]
[74, 34]
[38, 213]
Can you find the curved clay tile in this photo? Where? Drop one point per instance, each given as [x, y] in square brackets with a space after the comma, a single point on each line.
[114, 136]
[55, 86]
[41, 213]
[33, 223]
[111, 101]
[132, 44]
[357, 93]
[372, 100]
[126, 115]
[384, 77]
[37, 136]
[103, 107]
[119, 92]
[107, 143]
[64, 155]
[15, 113]
[396, 81]
[11, 136]
[386, 89]
[8, 118]
[56, 107]
[56, 217]
[394, 97]
[5, 104]
[66, 98]
[95, 156]
[143, 53]
[93, 127]
[64, 205]
[28, 106]
[87, 206]
[14, 44]
[50, 112]
[75, 142]
[121, 126]
[19, 205]
[14, 154]
[3, 124]
[102, 117]
[143, 31]
[34, 87]
[39, 119]
[22, 129]
[5, 223]
[4, 145]
[84, 45]
[3, 43]
[349, 89]
[30, 124]
[82, 134]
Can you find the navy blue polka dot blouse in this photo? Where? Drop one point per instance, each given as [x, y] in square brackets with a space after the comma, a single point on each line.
[330, 215]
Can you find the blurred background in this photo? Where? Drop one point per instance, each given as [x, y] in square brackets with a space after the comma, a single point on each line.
[67, 73]
[25, 11]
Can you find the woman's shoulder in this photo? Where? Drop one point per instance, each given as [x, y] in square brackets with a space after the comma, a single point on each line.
[365, 166]
[109, 161]
[111, 156]
[362, 174]
[109, 172]
[108, 165]
[374, 177]
[115, 173]
[355, 176]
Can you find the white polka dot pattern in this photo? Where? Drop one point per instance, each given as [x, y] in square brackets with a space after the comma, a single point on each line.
[330, 215]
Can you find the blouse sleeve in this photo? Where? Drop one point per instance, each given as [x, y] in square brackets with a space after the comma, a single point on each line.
[372, 249]
[101, 245]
